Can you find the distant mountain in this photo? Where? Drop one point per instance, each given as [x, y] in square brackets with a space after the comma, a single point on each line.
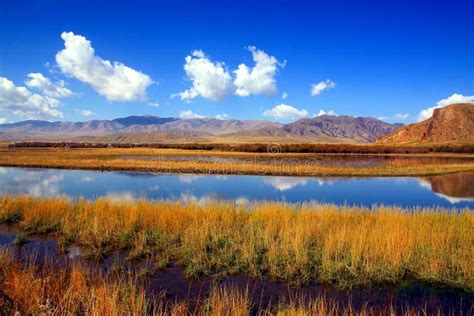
[143, 120]
[132, 124]
[325, 129]
[356, 129]
[454, 123]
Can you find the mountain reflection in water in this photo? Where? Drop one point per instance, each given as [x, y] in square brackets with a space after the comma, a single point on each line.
[449, 191]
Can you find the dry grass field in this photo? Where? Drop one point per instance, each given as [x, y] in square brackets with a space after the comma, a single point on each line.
[298, 244]
[251, 163]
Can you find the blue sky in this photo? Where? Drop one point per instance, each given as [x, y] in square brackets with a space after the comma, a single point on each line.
[388, 59]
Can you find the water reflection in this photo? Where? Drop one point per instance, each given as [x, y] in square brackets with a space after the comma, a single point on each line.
[285, 183]
[455, 190]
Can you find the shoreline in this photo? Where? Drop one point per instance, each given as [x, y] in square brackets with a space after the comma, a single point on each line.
[109, 160]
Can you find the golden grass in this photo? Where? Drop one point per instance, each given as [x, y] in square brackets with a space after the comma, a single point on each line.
[45, 289]
[111, 159]
[345, 246]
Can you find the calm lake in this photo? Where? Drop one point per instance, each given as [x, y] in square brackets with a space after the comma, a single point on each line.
[451, 191]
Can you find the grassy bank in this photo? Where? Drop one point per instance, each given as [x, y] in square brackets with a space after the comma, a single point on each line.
[74, 290]
[112, 159]
[297, 244]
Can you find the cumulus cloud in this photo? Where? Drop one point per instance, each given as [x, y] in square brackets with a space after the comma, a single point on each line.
[84, 112]
[317, 88]
[260, 79]
[3, 120]
[210, 80]
[285, 112]
[455, 98]
[113, 80]
[222, 116]
[188, 114]
[322, 112]
[54, 90]
[23, 103]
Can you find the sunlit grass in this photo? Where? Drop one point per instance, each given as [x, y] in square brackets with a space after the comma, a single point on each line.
[112, 159]
[345, 246]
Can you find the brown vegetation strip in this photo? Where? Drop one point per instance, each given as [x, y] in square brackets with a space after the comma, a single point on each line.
[109, 159]
[345, 246]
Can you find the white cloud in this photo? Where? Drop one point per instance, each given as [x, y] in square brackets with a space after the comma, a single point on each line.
[154, 104]
[317, 88]
[402, 117]
[188, 114]
[261, 78]
[242, 201]
[397, 117]
[210, 79]
[23, 103]
[113, 80]
[85, 112]
[427, 113]
[117, 196]
[191, 198]
[54, 90]
[455, 98]
[222, 116]
[285, 183]
[322, 112]
[3, 120]
[189, 178]
[284, 95]
[285, 112]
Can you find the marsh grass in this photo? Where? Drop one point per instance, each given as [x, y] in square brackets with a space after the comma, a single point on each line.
[72, 290]
[299, 244]
[112, 159]
[31, 289]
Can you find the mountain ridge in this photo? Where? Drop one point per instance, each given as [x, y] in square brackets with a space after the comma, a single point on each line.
[454, 123]
[325, 128]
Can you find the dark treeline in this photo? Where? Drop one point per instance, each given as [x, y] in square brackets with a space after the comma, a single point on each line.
[264, 148]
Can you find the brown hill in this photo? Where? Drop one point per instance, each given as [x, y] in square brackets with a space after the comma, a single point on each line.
[342, 128]
[454, 123]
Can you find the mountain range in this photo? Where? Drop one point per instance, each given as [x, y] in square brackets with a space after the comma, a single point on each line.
[143, 129]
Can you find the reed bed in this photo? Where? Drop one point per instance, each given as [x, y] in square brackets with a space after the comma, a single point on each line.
[111, 159]
[299, 244]
[31, 289]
